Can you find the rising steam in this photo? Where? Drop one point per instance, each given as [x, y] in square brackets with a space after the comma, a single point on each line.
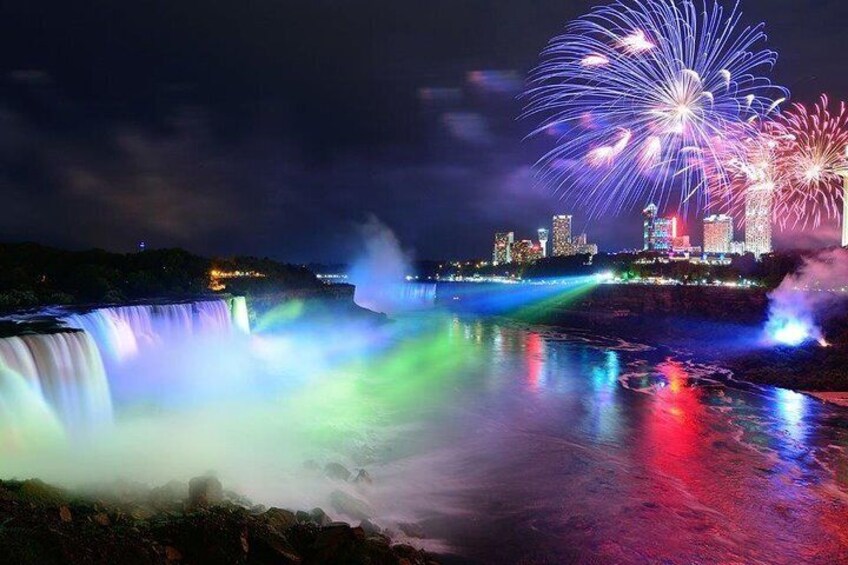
[380, 270]
[807, 298]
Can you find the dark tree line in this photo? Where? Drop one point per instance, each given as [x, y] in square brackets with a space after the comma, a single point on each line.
[769, 271]
[34, 275]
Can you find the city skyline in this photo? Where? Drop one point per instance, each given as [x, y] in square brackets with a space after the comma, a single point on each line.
[563, 243]
[182, 143]
[659, 233]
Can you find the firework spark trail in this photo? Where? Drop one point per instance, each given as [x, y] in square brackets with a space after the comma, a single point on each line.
[800, 156]
[812, 159]
[638, 94]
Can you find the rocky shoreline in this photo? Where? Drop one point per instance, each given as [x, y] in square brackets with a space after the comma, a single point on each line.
[178, 523]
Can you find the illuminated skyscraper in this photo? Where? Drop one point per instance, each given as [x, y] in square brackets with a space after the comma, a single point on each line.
[737, 247]
[580, 246]
[649, 215]
[682, 244]
[658, 233]
[525, 251]
[562, 235]
[718, 233]
[758, 203]
[543, 241]
[503, 248]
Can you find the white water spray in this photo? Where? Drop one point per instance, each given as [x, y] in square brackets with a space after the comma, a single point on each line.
[805, 299]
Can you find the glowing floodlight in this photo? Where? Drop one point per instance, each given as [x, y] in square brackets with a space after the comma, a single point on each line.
[791, 332]
[606, 276]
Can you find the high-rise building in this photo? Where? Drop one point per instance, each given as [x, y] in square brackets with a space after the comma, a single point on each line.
[681, 244]
[737, 247]
[758, 204]
[718, 233]
[658, 233]
[649, 215]
[586, 248]
[525, 251]
[580, 245]
[543, 241]
[535, 252]
[562, 235]
[503, 248]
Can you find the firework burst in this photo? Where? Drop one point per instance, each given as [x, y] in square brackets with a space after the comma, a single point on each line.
[799, 157]
[812, 160]
[638, 95]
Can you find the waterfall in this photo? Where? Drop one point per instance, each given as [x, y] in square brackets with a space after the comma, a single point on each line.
[420, 295]
[57, 382]
[398, 297]
[122, 332]
[57, 375]
[239, 314]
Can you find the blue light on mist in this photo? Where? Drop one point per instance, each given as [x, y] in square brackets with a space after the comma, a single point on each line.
[792, 332]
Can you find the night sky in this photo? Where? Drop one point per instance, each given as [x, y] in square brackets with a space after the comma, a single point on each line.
[274, 128]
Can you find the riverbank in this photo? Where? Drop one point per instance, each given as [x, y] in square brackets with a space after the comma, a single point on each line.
[718, 325]
[178, 523]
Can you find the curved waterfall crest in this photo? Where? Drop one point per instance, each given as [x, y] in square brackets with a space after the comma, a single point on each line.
[61, 379]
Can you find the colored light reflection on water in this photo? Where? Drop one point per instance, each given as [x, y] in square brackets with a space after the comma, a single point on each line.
[791, 407]
[503, 442]
[534, 352]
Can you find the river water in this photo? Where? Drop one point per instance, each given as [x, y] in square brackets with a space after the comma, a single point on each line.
[487, 440]
[547, 445]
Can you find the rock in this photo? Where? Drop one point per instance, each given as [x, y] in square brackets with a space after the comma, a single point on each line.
[280, 519]
[168, 495]
[350, 505]
[172, 553]
[303, 517]
[362, 477]
[204, 491]
[272, 548]
[101, 530]
[142, 513]
[335, 543]
[370, 527]
[337, 471]
[258, 509]
[319, 517]
[380, 539]
[237, 499]
[407, 552]
[35, 490]
[65, 514]
[245, 545]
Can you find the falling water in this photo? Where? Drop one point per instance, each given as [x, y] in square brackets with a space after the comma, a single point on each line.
[122, 331]
[57, 383]
[64, 371]
[239, 314]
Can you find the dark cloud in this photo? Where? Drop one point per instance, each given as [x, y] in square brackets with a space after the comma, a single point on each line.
[276, 127]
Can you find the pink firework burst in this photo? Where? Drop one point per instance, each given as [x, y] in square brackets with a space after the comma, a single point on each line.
[812, 162]
[799, 158]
